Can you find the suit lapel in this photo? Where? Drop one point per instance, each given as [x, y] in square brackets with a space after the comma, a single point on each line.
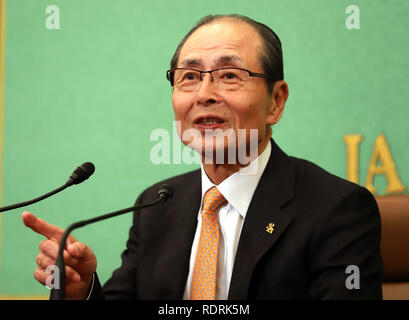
[275, 189]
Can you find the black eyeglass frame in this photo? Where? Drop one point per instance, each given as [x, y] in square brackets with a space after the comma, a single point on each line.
[170, 73]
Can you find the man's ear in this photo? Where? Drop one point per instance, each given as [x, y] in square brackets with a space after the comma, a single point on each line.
[279, 98]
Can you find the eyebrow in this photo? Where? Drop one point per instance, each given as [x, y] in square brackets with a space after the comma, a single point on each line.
[223, 60]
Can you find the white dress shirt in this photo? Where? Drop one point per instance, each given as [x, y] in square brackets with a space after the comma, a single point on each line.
[238, 190]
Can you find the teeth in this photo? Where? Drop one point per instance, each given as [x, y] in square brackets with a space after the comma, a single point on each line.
[209, 121]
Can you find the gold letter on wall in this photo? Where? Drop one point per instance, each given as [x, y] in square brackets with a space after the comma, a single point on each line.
[387, 167]
[352, 141]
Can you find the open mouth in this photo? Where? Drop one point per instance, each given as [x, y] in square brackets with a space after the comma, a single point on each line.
[208, 120]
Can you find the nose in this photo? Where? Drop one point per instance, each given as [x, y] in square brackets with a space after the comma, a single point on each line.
[206, 94]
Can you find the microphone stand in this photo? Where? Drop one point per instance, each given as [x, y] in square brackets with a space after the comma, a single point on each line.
[26, 203]
[59, 294]
[82, 173]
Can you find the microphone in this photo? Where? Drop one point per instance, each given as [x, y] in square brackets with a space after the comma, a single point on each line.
[82, 173]
[165, 193]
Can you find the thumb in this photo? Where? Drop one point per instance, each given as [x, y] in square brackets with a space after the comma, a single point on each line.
[80, 251]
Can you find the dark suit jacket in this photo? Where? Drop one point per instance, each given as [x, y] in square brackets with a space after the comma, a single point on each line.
[323, 224]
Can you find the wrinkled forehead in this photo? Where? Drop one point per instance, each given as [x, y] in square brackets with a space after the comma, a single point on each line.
[222, 43]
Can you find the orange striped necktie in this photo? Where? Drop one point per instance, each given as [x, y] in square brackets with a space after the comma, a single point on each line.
[203, 285]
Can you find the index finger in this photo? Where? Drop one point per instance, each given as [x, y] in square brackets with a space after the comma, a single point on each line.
[42, 227]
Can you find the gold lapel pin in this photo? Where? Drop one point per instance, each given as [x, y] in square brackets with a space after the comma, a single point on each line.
[270, 228]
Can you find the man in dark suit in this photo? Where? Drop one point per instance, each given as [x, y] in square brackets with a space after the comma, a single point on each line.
[282, 228]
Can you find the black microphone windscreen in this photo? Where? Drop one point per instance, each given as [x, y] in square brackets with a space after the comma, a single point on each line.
[82, 173]
[88, 167]
[165, 192]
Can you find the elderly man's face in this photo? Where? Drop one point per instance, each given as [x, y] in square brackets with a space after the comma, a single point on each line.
[225, 43]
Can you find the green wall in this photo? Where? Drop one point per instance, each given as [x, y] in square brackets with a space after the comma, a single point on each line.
[95, 89]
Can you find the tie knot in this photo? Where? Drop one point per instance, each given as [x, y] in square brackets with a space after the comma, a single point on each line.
[212, 200]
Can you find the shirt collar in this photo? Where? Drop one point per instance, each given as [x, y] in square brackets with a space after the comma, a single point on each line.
[238, 189]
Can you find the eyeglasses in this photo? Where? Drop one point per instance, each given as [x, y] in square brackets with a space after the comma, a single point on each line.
[226, 78]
